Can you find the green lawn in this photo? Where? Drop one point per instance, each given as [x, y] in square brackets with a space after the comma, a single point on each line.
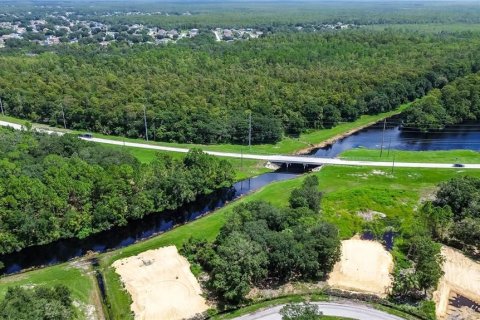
[286, 146]
[451, 156]
[77, 280]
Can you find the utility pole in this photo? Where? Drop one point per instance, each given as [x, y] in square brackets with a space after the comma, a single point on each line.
[145, 121]
[241, 158]
[249, 129]
[393, 162]
[389, 145]
[383, 136]
[63, 116]
[1, 107]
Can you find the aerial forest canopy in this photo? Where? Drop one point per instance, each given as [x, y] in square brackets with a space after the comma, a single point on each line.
[61, 187]
[202, 91]
[455, 103]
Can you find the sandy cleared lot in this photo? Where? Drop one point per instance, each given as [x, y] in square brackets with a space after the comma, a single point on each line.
[161, 285]
[462, 276]
[365, 266]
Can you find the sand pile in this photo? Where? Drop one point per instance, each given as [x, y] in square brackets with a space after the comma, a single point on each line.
[161, 285]
[365, 266]
[462, 277]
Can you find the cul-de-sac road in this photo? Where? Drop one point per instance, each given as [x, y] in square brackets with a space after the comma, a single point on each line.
[347, 310]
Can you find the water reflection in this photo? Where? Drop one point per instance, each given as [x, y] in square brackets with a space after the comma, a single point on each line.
[463, 136]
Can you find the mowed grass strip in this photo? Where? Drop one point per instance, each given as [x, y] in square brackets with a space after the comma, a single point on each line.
[450, 156]
[285, 146]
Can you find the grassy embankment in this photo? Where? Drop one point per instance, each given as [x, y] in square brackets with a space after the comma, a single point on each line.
[451, 156]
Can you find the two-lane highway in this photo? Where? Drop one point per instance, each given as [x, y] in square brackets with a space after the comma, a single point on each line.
[307, 160]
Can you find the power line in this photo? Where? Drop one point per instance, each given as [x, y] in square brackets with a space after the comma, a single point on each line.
[383, 137]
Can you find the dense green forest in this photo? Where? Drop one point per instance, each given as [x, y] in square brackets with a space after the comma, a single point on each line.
[40, 303]
[228, 14]
[455, 103]
[60, 187]
[202, 91]
[262, 244]
[454, 216]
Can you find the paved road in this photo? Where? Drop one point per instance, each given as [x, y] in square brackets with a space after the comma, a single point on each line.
[290, 159]
[348, 310]
[308, 160]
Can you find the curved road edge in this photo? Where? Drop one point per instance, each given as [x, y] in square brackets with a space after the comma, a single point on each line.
[347, 310]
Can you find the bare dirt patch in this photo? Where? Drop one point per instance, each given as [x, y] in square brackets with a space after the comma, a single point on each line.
[462, 277]
[161, 285]
[365, 267]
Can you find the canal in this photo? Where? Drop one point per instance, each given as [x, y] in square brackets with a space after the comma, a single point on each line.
[458, 137]
[466, 136]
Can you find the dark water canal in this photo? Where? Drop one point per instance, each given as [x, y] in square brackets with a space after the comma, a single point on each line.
[463, 136]
[153, 224]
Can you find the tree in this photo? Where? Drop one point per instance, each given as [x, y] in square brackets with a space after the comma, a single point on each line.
[239, 264]
[462, 195]
[303, 311]
[427, 260]
[307, 195]
[41, 303]
[438, 219]
[468, 232]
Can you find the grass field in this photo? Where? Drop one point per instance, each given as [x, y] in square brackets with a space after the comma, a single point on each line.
[451, 156]
[76, 279]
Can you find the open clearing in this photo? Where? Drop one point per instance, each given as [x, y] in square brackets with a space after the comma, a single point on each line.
[462, 277]
[365, 266]
[161, 285]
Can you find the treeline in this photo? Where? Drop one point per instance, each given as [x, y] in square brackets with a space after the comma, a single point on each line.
[455, 103]
[230, 14]
[61, 187]
[290, 13]
[201, 91]
[39, 303]
[454, 216]
[264, 245]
